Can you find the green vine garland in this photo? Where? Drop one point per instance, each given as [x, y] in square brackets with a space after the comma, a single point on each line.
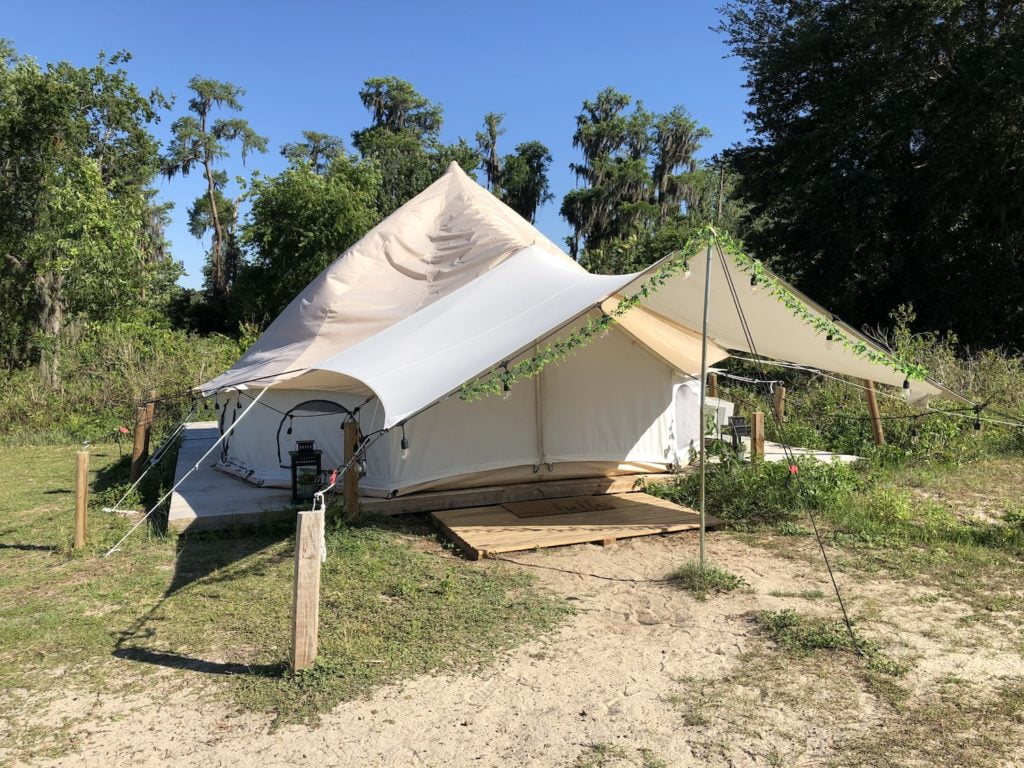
[502, 378]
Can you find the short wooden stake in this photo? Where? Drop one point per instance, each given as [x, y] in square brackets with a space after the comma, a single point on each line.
[779, 403]
[757, 435]
[712, 385]
[309, 533]
[138, 444]
[876, 416]
[81, 497]
[351, 480]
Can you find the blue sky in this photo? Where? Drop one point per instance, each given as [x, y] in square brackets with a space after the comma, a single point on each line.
[302, 64]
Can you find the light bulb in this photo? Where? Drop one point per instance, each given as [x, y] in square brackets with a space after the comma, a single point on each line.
[906, 390]
[829, 342]
[686, 274]
[405, 448]
[753, 284]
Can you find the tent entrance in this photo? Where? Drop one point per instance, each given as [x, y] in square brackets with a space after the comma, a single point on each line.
[516, 526]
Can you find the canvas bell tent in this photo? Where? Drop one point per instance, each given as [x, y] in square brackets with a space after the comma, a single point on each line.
[455, 286]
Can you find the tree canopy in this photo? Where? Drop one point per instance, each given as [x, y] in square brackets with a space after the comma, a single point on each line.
[885, 167]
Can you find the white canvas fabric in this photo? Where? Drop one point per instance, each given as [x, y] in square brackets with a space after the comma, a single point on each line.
[452, 285]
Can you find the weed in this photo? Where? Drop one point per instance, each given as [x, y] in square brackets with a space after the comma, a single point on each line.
[702, 580]
[599, 755]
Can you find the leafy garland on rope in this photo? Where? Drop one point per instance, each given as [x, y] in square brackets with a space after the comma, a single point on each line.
[502, 378]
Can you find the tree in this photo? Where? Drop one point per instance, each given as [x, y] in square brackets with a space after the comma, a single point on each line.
[317, 149]
[885, 163]
[403, 140]
[524, 179]
[198, 140]
[638, 172]
[76, 161]
[487, 146]
[300, 222]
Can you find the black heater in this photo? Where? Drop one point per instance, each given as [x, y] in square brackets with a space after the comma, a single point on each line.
[305, 470]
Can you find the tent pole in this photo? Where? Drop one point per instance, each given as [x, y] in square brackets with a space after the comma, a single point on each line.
[703, 393]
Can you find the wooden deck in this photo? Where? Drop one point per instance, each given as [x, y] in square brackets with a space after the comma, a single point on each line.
[516, 526]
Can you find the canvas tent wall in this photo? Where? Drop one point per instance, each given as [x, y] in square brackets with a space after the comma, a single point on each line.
[455, 284]
[608, 410]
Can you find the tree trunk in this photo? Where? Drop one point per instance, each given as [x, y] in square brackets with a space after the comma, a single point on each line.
[50, 287]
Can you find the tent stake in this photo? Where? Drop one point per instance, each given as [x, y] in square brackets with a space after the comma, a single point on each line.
[703, 394]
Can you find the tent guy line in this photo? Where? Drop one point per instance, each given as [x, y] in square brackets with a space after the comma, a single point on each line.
[787, 450]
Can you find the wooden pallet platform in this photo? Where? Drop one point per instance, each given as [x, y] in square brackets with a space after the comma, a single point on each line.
[516, 526]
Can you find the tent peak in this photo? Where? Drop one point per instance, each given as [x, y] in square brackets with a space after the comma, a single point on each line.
[454, 168]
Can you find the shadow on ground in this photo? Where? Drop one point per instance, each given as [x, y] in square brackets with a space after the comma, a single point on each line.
[201, 557]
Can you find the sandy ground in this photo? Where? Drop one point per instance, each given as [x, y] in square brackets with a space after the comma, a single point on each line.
[610, 675]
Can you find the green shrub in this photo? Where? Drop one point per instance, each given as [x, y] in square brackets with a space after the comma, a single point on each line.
[765, 493]
[701, 581]
[105, 369]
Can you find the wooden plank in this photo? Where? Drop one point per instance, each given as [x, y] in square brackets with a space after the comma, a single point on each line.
[757, 435]
[571, 505]
[351, 479]
[81, 497]
[876, 416]
[309, 531]
[497, 529]
[460, 498]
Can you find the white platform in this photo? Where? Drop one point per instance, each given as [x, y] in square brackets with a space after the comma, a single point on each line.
[210, 499]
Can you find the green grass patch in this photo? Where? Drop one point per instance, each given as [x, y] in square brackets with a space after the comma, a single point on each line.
[216, 608]
[703, 580]
[800, 633]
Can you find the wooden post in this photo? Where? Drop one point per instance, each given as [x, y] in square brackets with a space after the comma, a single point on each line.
[309, 532]
[351, 479]
[150, 414]
[779, 403]
[81, 497]
[712, 385]
[138, 444]
[876, 417]
[757, 435]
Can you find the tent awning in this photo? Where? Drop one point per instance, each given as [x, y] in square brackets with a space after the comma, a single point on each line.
[777, 332]
[426, 356]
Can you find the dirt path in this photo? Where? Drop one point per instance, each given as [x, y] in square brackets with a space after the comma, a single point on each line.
[619, 674]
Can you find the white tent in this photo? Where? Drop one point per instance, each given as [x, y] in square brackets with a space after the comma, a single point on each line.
[453, 285]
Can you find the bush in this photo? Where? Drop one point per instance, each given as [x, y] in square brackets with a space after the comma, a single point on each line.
[765, 493]
[105, 369]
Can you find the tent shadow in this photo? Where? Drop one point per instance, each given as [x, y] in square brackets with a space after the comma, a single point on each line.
[199, 558]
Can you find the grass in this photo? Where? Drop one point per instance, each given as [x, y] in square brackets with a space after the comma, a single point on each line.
[703, 580]
[219, 605]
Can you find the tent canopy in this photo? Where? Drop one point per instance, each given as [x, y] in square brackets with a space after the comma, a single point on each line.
[454, 283]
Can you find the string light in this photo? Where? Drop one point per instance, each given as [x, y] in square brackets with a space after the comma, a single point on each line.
[753, 284]
[906, 390]
[977, 418]
[828, 341]
[405, 445]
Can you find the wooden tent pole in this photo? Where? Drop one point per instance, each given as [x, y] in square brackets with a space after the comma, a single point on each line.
[757, 436]
[138, 444]
[150, 415]
[779, 403]
[876, 416]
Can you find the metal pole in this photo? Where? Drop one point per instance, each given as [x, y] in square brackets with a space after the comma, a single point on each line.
[703, 388]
